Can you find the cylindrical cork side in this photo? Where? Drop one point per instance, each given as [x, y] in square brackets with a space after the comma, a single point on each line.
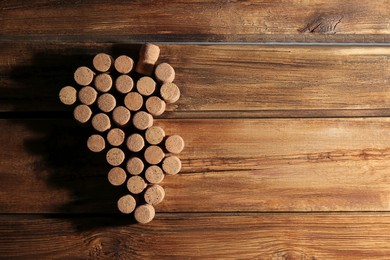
[142, 120]
[148, 57]
[103, 82]
[144, 213]
[164, 73]
[101, 122]
[115, 136]
[117, 176]
[171, 165]
[124, 84]
[106, 102]
[170, 92]
[68, 95]
[174, 144]
[87, 95]
[146, 86]
[154, 135]
[134, 166]
[136, 184]
[82, 113]
[133, 101]
[155, 106]
[154, 194]
[135, 143]
[126, 204]
[96, 143]
[83, 76]
[123, 64]
[154, 154]
[154, 174]
[115, 156]
[103, 62]
[121, 116]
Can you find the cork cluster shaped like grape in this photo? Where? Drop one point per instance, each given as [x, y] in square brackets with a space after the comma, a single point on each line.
[120, 99]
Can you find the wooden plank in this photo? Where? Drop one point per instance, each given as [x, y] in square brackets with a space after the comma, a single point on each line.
[134, 21]
[218, 80]
[184, 236]
[239, 165]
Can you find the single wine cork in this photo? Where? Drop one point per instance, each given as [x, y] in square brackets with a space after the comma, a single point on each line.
[115, 136]
[171, 165]
[174, 144]
[154, 135]
[103, 62]
[121, 116]
[115, 156]
[117, 176]
[135, 143]
[146, 86]
[68, 95]
[154, 174]
[144, 213]
[149, 54]
[134, 166]
[106, 102]
[154, 194]
[124, 64]
[154, 154]
[101, 122]
[136, 184]
[164, 73]
[83, 76]
[142, 120]
[155, 105]
[87, 95]
[170, 92]
[124, 84]
[103, 82]
[126, 204]
[96, 143]
[82, 113]
[133, 101]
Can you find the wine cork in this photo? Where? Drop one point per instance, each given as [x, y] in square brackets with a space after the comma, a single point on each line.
[124, 84]
[115, 156]
[115, 136]
[142, 120]
[82, 113]
[133, 101]
[106, 102]
[87, 95]
[136, 184]
[170, 92]
[117, 176]
[154, 174]
[101, 122]
[123, 64]
[171, 165]
[96, 143]
[83, 76]
[154, 154]
[68, 95]
[103, 62]
[164, 73]
[126, 204]
[144, 213]
[134, 166]
[154, 135]
[174, 144]
[135, 143]
[155, 105]
[121, 116]
[154, 194]
[103, 82]
[146, 86]
[149, 54]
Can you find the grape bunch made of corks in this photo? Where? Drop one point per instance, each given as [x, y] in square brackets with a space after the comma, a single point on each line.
[120, 101]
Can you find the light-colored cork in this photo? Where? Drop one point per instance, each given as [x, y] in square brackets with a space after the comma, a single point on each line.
[134, 166]
[101, 122]
[96, 143]
[126, 204]
[148, 57]
[106, 102]
[154, 135]
[171, 165]
[117, 176]
[144, 213]
[103, 62]
[146, 86]
[83, 76]
[134, 101]
[124, 64]
[155, 106]
[142, 120]
[135, 143]
[170, 92]
[103, 82]
[174, 144]
[154, 194]
[164, 73]
[68, 95]
[82, 113]
[124, 84]
[121, 116]
[154, 174]
[115, 156]
[115, 136]
[136, 184]
[87, 95]
[154, 154]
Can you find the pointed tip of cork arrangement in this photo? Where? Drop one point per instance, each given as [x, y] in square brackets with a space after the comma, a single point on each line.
[68, 95]
[144, 213]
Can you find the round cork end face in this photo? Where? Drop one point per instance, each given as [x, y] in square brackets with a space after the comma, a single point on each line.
[82, 113]
[115, 156]
[174, 144]
[144, 213]
[154, 135]
[171, 165]
[124, 84]
[134, 166]
[164, 73]
[135, 143]
[126, 204]
[124, 64]
[121, 116]
[106, 102]
[116, 176]
[142, 120]
[146, 86]
[103, 82]
[154, 174]
[115, 136]
[136, 184]
[154, 194]
[102, 62]
[154, 154]
[133, 101]
[101, 122]
[83, 76]
[68, 95]
[155, 106]
[87, 95]
[170, 92]
[96, 143]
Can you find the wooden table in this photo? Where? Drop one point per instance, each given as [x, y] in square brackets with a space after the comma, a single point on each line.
[284, 110]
